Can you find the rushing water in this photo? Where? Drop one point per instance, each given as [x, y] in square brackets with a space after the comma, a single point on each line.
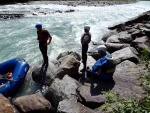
[18, 36]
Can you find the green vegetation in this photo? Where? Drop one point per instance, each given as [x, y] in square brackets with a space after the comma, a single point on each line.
[115, 104]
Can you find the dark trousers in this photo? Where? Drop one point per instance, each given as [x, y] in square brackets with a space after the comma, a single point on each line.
[43, 49]
[84, 55]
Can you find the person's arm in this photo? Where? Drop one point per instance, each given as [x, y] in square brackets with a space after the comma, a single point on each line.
[49, 39]
[99, 63]
[82, 40]
[37, 36]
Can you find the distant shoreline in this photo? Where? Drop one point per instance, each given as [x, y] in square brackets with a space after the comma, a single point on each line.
[75, 2]
[83, 2]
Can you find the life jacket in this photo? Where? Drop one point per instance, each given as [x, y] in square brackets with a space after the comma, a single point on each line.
[43, 35]
[89, 35]
[111, 66]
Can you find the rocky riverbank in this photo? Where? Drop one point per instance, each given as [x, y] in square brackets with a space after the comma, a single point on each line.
[71, 92]
[85, 2]
[71, 2]
[42, 11]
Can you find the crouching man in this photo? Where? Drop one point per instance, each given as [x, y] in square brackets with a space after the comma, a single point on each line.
[104, 66]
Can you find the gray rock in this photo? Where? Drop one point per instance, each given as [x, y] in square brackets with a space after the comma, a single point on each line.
[62, 89]
[91, 93]
[112, 47]
[128, 53]
[126, 83]
[5, 105]
[113, 39]
[141, 43]
[124, 37]
[69, 65]
[34, 103]
[70, 106]
[137, 33]
[108, 34]
[90, 62]
[74, 54]
[47, 75]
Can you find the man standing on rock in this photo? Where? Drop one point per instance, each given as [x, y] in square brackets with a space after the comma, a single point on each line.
[44, 39]
[85, 40]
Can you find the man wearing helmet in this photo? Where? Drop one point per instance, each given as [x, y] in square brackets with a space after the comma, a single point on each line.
[104, 66]
[44, 39]
[85, 40]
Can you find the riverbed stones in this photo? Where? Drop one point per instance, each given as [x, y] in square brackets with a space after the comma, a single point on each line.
[126, 83]
[46, 74]
[71, 106]
[128, 53]
[69, 65]
[11, 16]
[34, 103]
[5, 105]
[62, 89]
[76, 55]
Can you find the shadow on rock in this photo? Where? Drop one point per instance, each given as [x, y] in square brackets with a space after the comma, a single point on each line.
[91, 93]
[97, 86]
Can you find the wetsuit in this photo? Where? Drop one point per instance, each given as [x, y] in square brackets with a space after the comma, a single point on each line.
[85, 49]
[43, 37]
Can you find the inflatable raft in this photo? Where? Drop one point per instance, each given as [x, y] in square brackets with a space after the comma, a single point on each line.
[12, 75]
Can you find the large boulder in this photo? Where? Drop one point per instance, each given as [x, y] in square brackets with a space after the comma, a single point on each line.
[126, 83]
[113, 39]
[71, 53]
[112, 47]
[71, 106]
[5, 106]
[141, 43]
[128, 53]
[91, 93]
[47, 74]
[34, 103]
[108, 34]
[62, 89]
[90, 62]
[124, 37]
[69, 65]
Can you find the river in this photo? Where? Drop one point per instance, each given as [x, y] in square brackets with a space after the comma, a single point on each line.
[18, 36]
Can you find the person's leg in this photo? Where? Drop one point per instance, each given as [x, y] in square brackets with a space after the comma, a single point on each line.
[84, 56]
[43, 50]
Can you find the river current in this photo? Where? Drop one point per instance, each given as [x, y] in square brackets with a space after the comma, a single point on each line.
[18, 36]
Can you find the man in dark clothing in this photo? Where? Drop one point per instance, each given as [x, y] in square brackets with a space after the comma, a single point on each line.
[85, 40]
[44, 39]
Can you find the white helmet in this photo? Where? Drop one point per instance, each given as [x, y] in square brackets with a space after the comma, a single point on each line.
[101, 48]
